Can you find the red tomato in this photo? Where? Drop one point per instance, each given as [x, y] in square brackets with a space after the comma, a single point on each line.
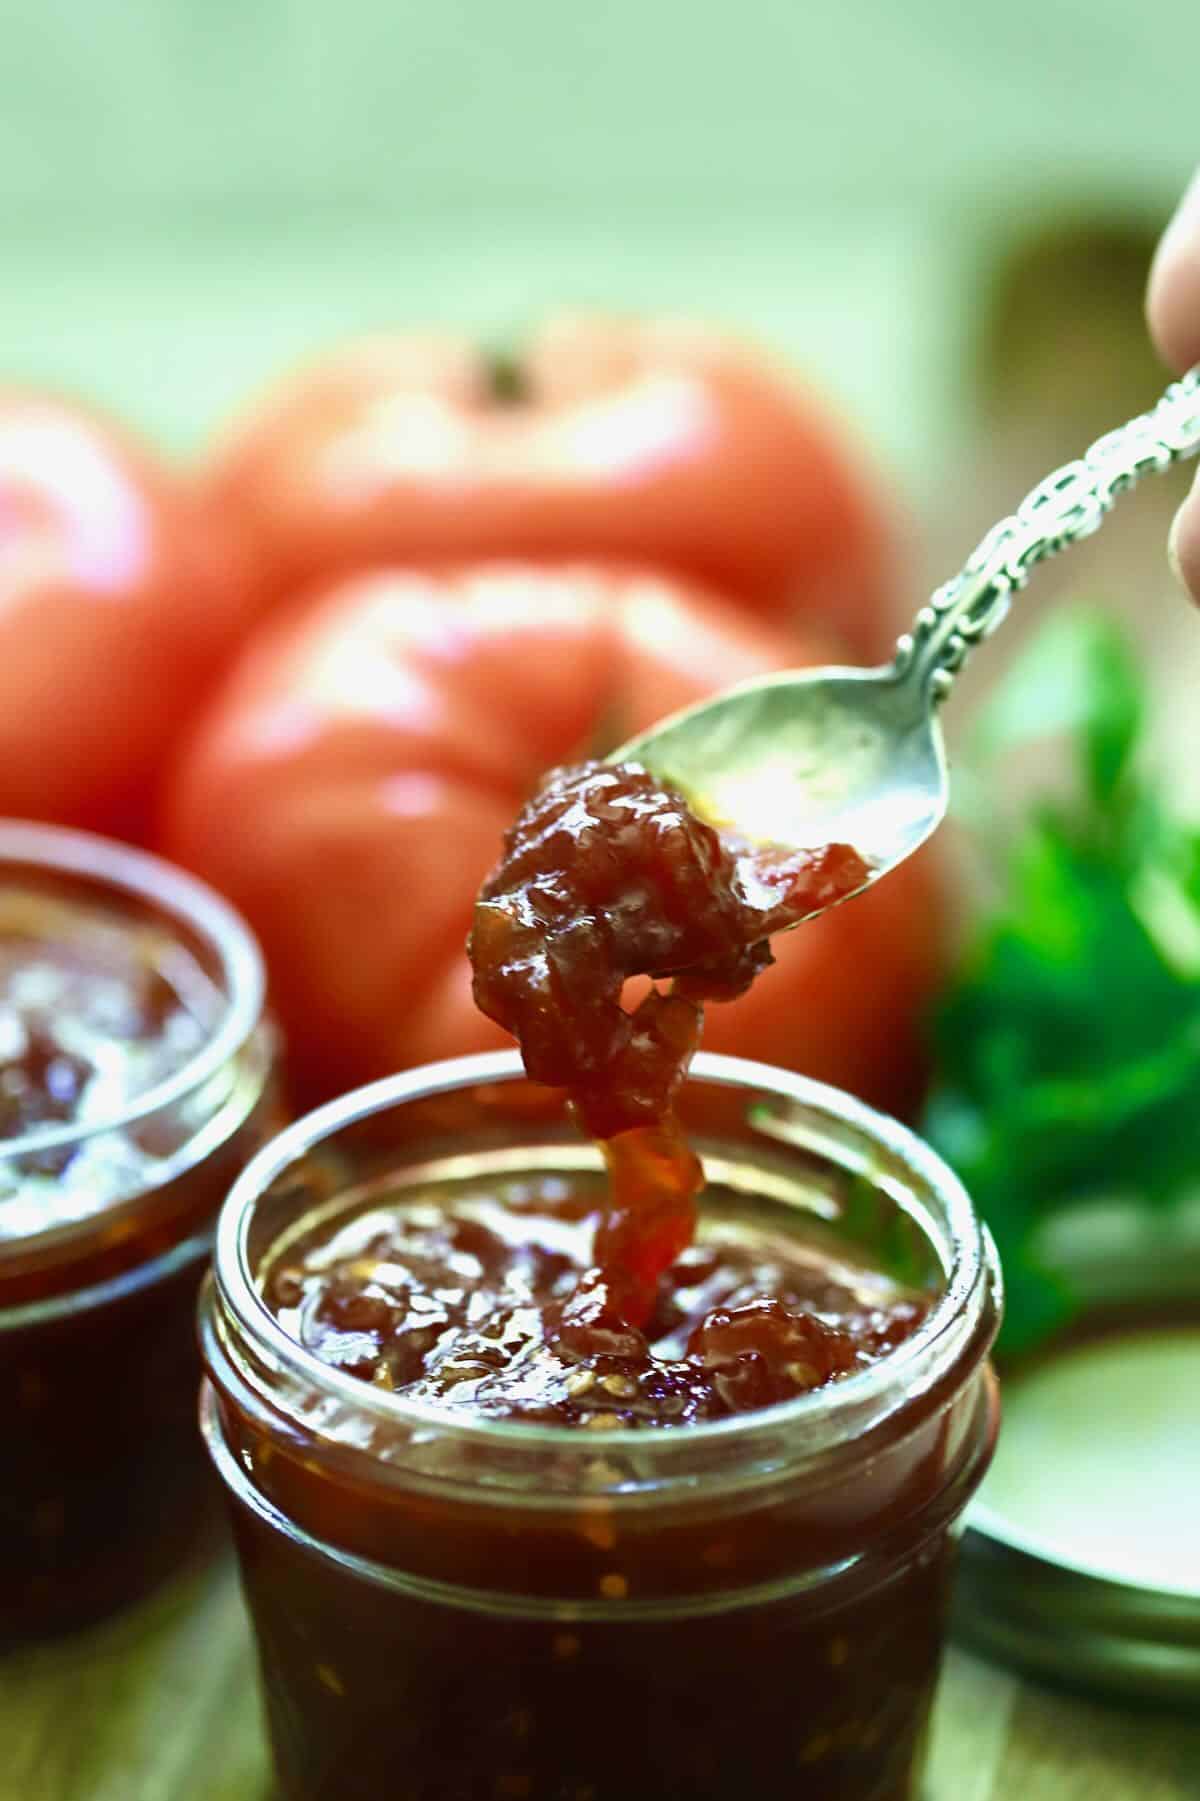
[658, 442]
[115, 605]
[350, 786]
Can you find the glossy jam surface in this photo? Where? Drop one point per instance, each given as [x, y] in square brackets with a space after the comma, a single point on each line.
[481, 1304]
[95, 1010]
[608, 876]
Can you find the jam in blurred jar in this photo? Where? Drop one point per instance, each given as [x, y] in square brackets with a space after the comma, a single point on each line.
[455, 1606]
[135, 1082]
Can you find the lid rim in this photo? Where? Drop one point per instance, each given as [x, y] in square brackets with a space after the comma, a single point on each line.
[1079, 1629]
[986, 1525]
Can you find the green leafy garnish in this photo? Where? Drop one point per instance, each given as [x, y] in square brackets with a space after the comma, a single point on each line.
[1068, 1047]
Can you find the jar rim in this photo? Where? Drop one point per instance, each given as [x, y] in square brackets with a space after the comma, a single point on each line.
[971, 1274]
[148, 879]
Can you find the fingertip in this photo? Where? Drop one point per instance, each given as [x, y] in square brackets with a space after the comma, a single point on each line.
[1173, 293]
[1184, 544]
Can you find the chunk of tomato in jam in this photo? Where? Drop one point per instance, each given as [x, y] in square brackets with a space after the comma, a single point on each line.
[494, 1301]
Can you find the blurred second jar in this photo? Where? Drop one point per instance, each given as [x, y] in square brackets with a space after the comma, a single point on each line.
[135, 1078]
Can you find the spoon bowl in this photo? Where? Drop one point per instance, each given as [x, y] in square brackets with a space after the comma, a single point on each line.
[809, 757]
[856, 756]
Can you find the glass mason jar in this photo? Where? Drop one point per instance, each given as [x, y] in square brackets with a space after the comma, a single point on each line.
[105, 1232]
[453, 1607]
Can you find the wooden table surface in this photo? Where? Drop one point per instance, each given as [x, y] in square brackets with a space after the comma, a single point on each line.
[162, 1707]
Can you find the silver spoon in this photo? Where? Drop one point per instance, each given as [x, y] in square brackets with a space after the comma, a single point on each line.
[855, 756]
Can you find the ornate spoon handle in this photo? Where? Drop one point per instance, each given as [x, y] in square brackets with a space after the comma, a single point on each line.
[1066, 506]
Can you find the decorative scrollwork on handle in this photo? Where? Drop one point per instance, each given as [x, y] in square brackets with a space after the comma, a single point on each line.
[1062, 509]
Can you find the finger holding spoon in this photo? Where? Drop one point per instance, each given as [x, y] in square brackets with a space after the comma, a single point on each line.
[1173, 309]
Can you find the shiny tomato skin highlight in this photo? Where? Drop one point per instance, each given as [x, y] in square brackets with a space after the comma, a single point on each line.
[655, 441]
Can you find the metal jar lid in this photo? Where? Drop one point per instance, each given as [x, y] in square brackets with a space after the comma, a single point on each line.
[1071, 1573]
[1075, 1626]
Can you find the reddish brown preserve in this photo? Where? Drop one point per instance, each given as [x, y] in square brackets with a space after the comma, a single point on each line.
[95, 1008]
[577, 1310]
[480, 1303]
[608, 875]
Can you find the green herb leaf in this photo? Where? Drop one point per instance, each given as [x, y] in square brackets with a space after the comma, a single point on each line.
[1068, 1046]
[1078, 678]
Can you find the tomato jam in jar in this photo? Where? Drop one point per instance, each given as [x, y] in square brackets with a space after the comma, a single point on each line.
[134, 1084]
[491, 1552]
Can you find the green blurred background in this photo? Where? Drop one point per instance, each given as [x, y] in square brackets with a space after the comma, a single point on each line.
[191, 190]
